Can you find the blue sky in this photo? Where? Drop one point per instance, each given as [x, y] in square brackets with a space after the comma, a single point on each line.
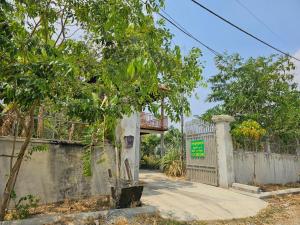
[283, 17]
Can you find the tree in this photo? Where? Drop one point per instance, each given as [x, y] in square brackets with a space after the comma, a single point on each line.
[151, 142]
[91, 60]
[260, 89]
[148, 144]
[173, 138]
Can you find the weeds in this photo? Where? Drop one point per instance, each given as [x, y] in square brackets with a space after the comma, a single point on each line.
[23, 205]
[150, 162]
[172, 164]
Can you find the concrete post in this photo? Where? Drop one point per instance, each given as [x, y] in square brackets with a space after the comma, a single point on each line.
[224, 150]
[129, 126]
[268, 147]
[298, 149]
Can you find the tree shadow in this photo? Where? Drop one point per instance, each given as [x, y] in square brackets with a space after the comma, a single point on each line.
[154, 181]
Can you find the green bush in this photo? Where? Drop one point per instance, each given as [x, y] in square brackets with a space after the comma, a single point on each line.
[23, 206]
[149, 144]
[150, 162]
[171, 163]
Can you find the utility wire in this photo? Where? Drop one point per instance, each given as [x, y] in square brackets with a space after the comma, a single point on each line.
[164, 12]
[244, 31]
[257, 18]
[182, 29]
[173, 22]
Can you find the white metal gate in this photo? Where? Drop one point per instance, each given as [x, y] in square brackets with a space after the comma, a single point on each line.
[202, 169]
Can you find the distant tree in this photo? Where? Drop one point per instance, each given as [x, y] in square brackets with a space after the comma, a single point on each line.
[260, 89]
[149, 144]
[207, 116]
[173, 138]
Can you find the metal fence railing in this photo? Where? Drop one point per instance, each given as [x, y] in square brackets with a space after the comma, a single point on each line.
[273, 146]
[48, 127]
[198, 126]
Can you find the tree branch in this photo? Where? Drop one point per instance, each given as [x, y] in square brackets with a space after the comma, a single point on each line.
[22, 119]
[73, 33]
[62, 31]
[35, 27]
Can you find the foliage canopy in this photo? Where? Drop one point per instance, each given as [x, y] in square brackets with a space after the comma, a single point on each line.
[73, 53]
[260, 89]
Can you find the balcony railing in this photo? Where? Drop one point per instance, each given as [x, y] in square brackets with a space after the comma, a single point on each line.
[150, 122]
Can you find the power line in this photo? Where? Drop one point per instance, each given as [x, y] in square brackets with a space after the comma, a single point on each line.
[173, 22]
[257, 18]
[182, 29]
[244, 31]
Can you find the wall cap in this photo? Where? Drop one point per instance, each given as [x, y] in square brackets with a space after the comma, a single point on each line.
[222, 118]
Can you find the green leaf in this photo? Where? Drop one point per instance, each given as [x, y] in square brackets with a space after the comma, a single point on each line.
[131, 69]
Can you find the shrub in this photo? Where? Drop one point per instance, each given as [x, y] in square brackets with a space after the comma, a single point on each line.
[171, 163]
[150, 162]
[23, 206]
[247, 135]
[249, 129]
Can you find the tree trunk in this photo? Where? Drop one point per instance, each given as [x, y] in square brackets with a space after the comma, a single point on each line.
[162, 142]
[14, 147]
[40, 125]
[25, 126]
[16, 168]
[71, 131]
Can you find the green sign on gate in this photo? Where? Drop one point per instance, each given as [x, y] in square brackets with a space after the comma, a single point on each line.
[197, 149]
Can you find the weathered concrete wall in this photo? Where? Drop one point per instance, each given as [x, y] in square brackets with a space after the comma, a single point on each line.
[269, 168]
[130, 126]
[58, 173]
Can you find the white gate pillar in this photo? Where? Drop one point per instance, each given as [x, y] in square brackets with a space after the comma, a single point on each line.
[224, 150]
[129, 128]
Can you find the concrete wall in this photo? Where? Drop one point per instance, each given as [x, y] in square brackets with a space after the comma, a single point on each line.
[269, 168]
[130, 126]
[58, 173]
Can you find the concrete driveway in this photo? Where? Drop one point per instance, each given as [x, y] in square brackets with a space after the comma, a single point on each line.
[183, 200]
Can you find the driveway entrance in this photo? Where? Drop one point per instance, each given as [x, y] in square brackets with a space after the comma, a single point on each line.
[183, 200]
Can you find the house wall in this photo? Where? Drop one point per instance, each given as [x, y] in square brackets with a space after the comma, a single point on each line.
[269, 168]
[58, 173]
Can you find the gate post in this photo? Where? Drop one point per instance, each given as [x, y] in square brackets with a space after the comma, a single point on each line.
[224, 150]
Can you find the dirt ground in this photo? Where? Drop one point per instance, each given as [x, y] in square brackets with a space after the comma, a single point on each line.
[281, 211]
[69, 206]
[72, 206]
[276, 187]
